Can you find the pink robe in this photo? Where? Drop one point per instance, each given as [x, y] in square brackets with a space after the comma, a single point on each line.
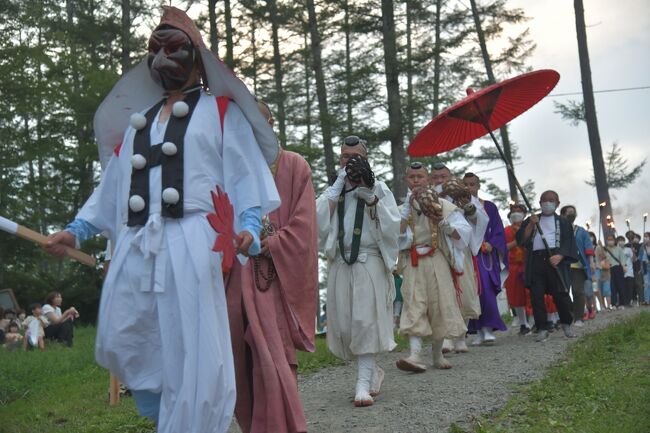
[267, 327]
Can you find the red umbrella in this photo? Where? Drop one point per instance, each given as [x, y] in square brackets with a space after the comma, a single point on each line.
[482, 112]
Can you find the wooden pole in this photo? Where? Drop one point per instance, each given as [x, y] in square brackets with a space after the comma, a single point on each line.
[114, 390]
[40, 239]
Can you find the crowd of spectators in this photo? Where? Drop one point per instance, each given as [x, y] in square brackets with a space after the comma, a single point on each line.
[45, 321]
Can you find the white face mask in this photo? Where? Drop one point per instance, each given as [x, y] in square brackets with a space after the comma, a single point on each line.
[611, 243]
[548, 207]
[621, 244]
[516, 217]
[438, 188]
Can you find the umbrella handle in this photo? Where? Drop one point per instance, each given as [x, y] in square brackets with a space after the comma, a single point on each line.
[511, 171]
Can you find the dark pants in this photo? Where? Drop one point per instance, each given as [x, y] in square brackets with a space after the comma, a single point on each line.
[545, 279]
[578, 278]
[629, 291]
[618, 285]
[638, 286]
[61, 332]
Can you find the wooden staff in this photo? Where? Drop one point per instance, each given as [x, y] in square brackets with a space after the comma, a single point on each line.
[25, 233]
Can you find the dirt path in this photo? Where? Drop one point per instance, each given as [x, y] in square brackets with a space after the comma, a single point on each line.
[479, 383]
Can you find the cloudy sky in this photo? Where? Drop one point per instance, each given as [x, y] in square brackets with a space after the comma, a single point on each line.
[555, 154]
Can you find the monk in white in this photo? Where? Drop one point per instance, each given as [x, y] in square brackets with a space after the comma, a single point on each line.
[438, 240]
[468, 288]
[358, 223]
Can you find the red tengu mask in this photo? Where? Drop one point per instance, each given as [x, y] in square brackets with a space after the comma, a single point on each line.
[171, 58]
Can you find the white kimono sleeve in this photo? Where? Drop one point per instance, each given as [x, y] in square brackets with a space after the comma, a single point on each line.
[247, 178]
[457, 221]
[387, 232]
[101, 208]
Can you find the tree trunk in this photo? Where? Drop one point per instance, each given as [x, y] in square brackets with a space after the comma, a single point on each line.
[278, 74]
[437, 53]
[126, 36]
[600, 174]
[398, 154]
[505, 139]
[307, 90]
[409, 73]
[212, 17]
[321, 91]
[348, 69]
[230, 61]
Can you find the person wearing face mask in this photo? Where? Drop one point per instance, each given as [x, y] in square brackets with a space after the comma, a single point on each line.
[616, 258]
[645, 267]
[516, 292]
[358, 228]
[548, 270]
[163, 320]
[628, 271]
[582, 271]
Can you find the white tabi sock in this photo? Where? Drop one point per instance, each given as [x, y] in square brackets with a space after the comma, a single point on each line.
[366, 366]
[521, 315]
[549, 317]
[556, 317]
[415, 343]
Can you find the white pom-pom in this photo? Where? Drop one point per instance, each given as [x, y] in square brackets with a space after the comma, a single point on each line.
[138, 161]
[169, 148]
[180, 109]
[170, 195]
[138, 121]
[136, 203]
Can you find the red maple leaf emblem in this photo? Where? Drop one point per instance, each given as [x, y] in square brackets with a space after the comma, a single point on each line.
[222, 221]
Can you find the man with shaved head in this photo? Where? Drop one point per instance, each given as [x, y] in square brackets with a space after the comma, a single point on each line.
[359, 224]
[432, 251]
[547, 270]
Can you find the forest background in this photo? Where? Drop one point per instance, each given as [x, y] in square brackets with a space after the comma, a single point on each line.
[375, 68]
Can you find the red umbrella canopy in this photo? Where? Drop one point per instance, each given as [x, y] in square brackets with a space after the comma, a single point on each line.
[491, 108]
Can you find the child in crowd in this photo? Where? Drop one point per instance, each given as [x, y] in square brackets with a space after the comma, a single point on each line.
[13, 337]
[35, 325]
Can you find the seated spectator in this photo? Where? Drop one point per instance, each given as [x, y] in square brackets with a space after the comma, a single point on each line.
[20, 318]
[59, 325]
[13, 337]
[6, 316]
[35, 335]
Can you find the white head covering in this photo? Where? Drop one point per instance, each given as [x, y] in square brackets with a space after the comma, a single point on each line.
[136, 91]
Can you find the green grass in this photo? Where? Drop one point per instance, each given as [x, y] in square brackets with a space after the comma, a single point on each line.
[603, 386]
[64, 390]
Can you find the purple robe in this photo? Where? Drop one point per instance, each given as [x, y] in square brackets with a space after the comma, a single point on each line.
[489, 270]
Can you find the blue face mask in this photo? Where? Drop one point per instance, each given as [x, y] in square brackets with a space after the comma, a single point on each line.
[548, 207]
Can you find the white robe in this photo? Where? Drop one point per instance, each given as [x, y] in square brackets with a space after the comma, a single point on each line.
[163, 324]
[360, 296]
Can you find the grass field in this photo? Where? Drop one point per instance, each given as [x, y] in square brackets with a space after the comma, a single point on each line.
[63, 390]
[603, 386]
